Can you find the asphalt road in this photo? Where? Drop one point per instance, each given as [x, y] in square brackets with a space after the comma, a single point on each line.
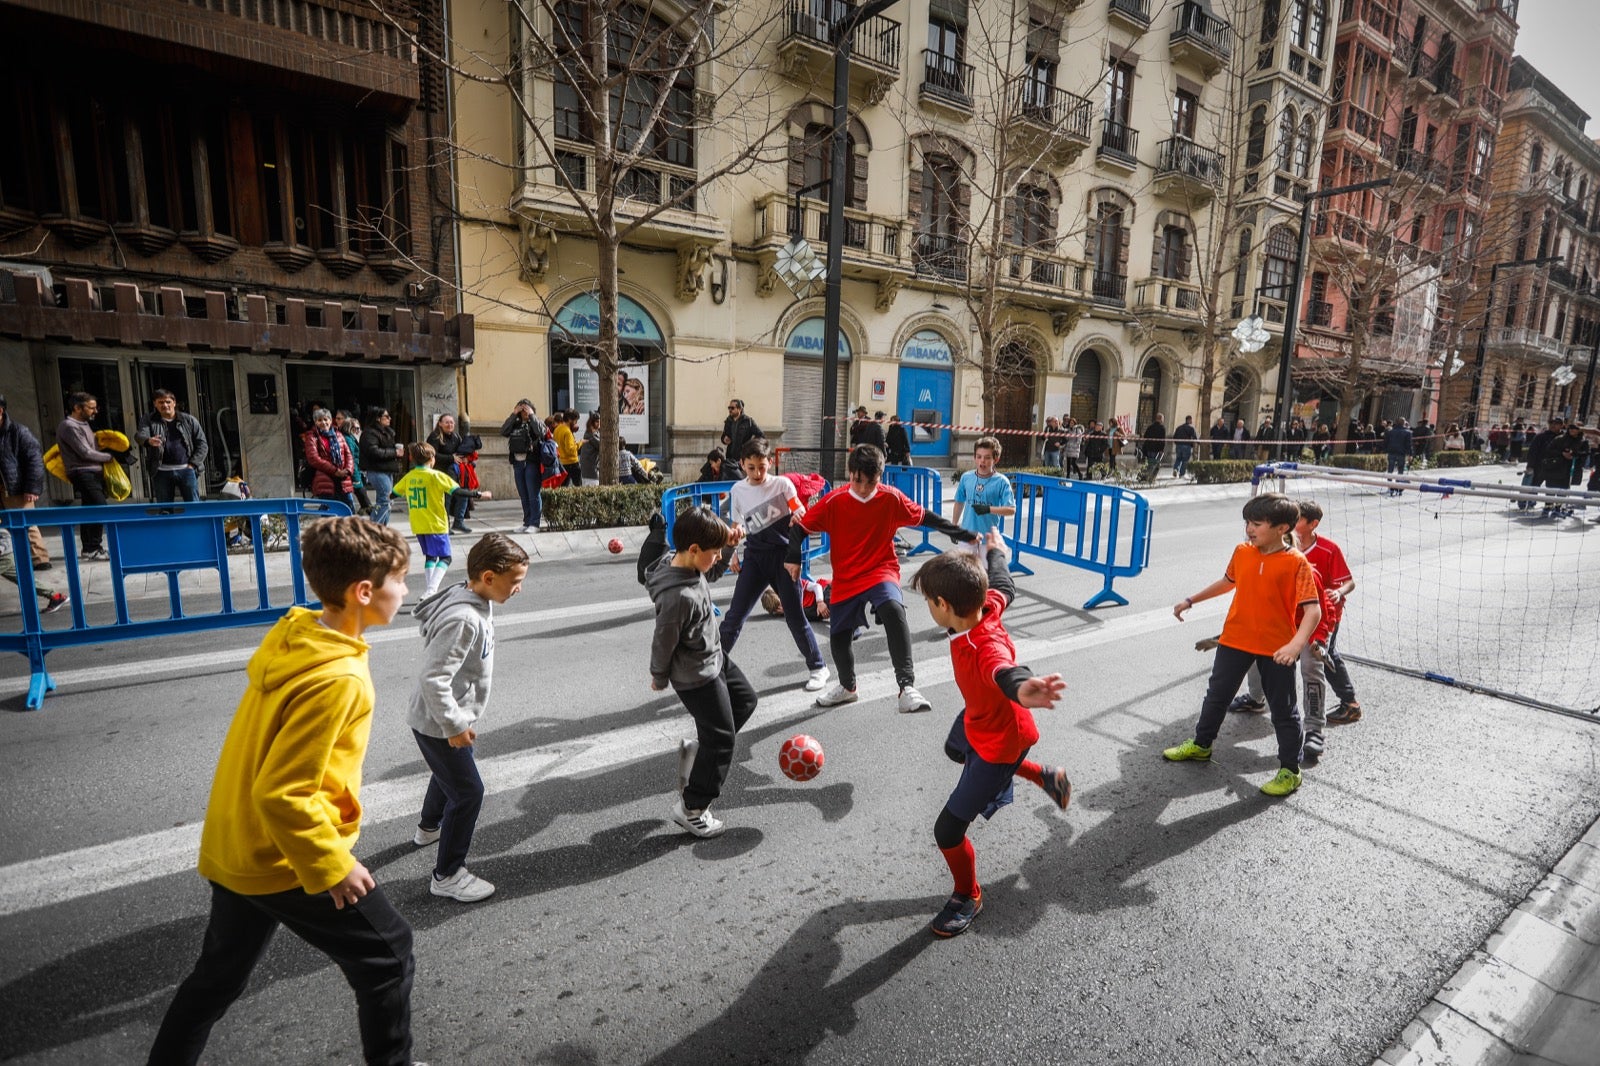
[1172, 915]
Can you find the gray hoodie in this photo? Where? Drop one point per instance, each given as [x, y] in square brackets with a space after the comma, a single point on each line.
[687, 648]
[457, 627]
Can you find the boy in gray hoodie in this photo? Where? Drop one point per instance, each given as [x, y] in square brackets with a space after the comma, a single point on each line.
[686, 653]
[457, 626]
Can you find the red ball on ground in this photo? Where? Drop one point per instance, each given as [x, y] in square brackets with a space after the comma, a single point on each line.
[800, 758]
[614, 545]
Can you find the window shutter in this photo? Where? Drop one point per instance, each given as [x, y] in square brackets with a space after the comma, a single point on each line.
[914, 190]
[963, 204]
[1185, 258]
[1123, 233]
[797, 163]
[1054, 224]
[951, 11]
[858, 187]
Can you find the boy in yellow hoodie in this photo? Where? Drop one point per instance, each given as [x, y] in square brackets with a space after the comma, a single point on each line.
[284, 811]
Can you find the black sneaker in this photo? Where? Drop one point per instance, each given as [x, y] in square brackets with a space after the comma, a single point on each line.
[57, 601]
[1056, 785]
[1345, 713]
[1247, 703]
[460, 527]
[1311, 751]
[957, 915]
[43, 566]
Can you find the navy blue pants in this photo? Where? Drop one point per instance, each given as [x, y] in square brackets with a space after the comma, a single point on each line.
[1277, 682]
[453, 800]
[763, 569]
[529, 485]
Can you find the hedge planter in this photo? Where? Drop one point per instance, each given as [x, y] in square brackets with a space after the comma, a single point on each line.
[600, 506]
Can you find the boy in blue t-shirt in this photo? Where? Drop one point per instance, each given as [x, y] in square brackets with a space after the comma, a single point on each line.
[984, 497]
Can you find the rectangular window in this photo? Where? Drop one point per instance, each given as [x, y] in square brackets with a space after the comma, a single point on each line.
[1185, 110]
[1174, 263]
[400, 198]
[271, 177]
[1119, 97]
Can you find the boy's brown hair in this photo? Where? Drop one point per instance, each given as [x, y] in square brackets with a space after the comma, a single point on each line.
[1273, 508]
[494, 551]
[701, 527]
[421, 454]
[957, 578]
[992, 443]
[756, 448]
[1310, 510]
[335, 553]
[866, 460]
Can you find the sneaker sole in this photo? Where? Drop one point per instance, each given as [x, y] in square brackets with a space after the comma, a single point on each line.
[818, 687]
[703, 834]
[475, 898]
[948, 934]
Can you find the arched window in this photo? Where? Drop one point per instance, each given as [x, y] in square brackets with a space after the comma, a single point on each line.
[1299, 16]
[1032, 224]
[1281, 249]
[1256, 146]
[1149, 393]
[1086, 388]
[1302, 147]
[1287, 125]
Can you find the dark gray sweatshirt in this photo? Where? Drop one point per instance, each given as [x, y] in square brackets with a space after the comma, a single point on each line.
[687, 648]
[457, 627]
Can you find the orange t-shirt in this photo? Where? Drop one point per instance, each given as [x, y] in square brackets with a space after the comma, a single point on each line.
[1268, 591]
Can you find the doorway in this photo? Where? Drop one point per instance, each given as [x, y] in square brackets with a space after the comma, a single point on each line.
[356, 389]
[204, 389]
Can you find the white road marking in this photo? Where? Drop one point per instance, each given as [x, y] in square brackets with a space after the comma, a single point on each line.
[60, 878]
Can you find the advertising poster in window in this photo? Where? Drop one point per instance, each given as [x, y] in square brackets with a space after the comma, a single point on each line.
[633, 398]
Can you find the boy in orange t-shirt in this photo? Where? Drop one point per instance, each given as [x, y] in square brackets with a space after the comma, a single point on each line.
[1272, 583]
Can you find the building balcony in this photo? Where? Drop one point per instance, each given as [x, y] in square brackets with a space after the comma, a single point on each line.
[1542, 183]
[1446, 83]
[1369, 18]
[1187, 172]
[1562, 277]
[1418, 164]
[1484, 99]
[639, 190]
[1526, 343]
[1055, 123]
[1404, 57]
[1346, 119]
[1109, 288]
[1339, 233]
[1573, 209]
[1134, 14]
[1167, 302]
[946, 82]
[1119, 144]
[1054, 281]
[875, 246]
[1201, 39]
[940, 255]
[805, 54]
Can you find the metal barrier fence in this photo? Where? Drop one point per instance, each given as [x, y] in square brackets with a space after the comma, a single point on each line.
[715, 494]
[1104, 529]
[167, 538]
[925, 488]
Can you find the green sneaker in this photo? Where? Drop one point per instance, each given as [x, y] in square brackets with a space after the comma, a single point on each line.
[1284, 783]
[1187, 750]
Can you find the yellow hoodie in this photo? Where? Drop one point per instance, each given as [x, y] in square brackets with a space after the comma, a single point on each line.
[284, 811]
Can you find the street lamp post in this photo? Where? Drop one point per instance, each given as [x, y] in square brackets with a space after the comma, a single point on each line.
[1291, 314]
[1483, 334]
[1588, 382]
[844, 29]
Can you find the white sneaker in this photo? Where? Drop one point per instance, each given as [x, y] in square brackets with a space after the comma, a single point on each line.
[700, 823]
[424, 837]
[911, 701]
[461, 886]
[687, 749]
[818, 678]
[837, 696]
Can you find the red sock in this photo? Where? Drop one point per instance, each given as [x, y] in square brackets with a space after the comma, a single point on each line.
[1032, 772]
[963, 861]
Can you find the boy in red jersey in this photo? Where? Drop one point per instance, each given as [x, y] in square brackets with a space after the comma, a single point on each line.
[1272, 586]
[993, 733]
[861, 520]
[1337, 581]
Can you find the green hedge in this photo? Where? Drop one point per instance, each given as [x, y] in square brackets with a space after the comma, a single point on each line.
[1462, 458]
[1378, 464]
[1221, 471]
[600, 506]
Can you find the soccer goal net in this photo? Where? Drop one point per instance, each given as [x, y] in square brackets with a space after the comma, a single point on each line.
[1492, 588]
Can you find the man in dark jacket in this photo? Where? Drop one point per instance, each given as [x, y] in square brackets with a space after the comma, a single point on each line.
[1220, 436]
[22, 477]
[1397, 445]
[1183, 439]
[738, 429]
[177, 446]
[897, 442]
[1153, 444]
[1534, 475]
[1567, 452]
[866, 431]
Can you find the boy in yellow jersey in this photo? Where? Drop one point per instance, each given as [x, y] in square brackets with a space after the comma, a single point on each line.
[428, 493]
[284, 813]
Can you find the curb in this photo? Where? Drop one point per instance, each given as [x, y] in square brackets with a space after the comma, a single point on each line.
[1491, 1010]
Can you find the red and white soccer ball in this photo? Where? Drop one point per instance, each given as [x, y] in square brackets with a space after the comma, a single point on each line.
[614, 545]
[800, 758]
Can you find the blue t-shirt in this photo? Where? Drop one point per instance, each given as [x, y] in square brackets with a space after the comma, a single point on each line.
[993, 490]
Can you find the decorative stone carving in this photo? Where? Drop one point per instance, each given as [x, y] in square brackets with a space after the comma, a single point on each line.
[766, 273]
[537, 240]
[1064, 322]
[693, 258]
[889, 287]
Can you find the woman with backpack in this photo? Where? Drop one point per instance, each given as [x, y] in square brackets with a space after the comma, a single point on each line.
[524, 434]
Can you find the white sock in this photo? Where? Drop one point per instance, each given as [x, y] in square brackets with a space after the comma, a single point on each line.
[434, 576]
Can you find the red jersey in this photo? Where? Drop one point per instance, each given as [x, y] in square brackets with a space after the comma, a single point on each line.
[998, 729]
[861, 536]
[1328, 561]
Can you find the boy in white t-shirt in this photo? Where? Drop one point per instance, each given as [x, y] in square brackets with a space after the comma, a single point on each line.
[984, 497]
[762, 506]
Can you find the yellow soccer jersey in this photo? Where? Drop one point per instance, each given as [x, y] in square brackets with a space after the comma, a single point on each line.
[426, 491]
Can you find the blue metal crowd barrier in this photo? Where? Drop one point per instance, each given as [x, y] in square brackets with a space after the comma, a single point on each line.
[1104, 529]
[925, 488]
[167, 538]
[715, 495]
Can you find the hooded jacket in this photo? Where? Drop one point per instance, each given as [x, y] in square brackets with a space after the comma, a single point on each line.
[284, 811]
[687, 648]
[457, 627]
[21, 460]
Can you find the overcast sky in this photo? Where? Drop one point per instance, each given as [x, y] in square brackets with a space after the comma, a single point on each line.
[1561, 38]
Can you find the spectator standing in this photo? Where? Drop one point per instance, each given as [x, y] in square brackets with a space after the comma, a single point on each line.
[1454, 439]
[328, 456]
[1153, 445]
[589, 450]
[897, 442]
[1499, 441]
[1517, 439]
[1397, 445]
[1422, 436]
[866, 431]
[1072, 450]
[350, 427]
[1322, 442]
[523, 432]
[566, 437]
[1094, 447]
[1052, 442]
[82, 459]
[448, 444]
[738, 429]
[1220, 436]
[380, 461]
[177, 446]
[1183, 444]
[1266, 435]
[1239, 441]
[22, 477]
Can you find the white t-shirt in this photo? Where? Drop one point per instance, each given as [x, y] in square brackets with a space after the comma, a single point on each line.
[763, 510]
